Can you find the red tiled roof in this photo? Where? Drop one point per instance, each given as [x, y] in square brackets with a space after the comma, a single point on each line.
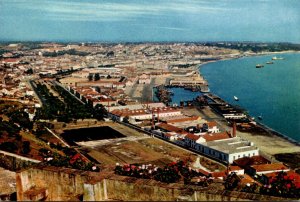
[211, 124]
[216, 136]
[269, 167]
[169, 127]
[10, 60]
[219, 174]
[126, 112]
[247, 179]
[182, 119]
[254, 160]
[192, 136]
[233, 168]
[162, 110]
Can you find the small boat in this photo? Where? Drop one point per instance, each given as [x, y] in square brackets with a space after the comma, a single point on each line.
[269, 63]
[260, 117]
[236, 98]
[259, 66]
[276, 58]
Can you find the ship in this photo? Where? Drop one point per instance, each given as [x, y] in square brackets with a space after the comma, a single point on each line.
[269, 62]
[236, 98]
[259, 66]
[277, 58]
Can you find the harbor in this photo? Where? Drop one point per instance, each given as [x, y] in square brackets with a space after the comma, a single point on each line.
[175, 96]
[271, 106]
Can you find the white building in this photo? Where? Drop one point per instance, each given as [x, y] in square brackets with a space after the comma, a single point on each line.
[144, 79]
[228, 149]
[143, 113]
[212, 127]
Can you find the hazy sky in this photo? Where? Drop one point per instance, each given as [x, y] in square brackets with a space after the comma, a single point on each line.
[151, 20]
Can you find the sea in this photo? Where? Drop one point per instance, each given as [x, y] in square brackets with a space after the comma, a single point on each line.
[272, 92]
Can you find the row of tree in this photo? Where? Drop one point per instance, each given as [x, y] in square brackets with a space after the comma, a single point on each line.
[97, 77]
[67, 110]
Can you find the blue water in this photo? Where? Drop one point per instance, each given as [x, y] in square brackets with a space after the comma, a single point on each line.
[272, 91]
[180, 94]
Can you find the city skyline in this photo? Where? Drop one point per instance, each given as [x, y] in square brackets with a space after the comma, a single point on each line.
[155, 21]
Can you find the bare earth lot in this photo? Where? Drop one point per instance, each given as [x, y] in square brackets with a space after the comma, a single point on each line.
[137, 147]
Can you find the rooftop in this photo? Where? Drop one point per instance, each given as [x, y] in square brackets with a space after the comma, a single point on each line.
[231, 145]
[216, 136]
[254, 160]
[269, 167]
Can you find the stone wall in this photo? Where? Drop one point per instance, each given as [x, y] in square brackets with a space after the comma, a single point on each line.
[137, 190]
[62, 184]
[55, 183]
[15, 162]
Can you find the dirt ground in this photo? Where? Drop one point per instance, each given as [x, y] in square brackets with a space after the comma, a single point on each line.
[137, 147]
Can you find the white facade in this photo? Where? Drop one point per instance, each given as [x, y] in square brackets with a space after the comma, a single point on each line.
[228, 149]
[238, 172]
[238, 155]
[167, 113]
[272, 171]
[234, 116]
[141, 116]
[214, 129]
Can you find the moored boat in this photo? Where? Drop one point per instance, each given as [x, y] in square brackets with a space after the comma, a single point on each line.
[269, 62]
[277, 58]
[236, 98]
[259, 66]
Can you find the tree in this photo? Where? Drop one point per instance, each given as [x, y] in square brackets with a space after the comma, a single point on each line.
[108, 77]
[9, 146]
[22, 118]
[26, 147]
[29, 71]
[99, 112]
[97, 77]
[126, 119]
[90, 77]
[232, 181]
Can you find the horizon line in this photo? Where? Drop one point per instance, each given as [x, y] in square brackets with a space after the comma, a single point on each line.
[143, 41]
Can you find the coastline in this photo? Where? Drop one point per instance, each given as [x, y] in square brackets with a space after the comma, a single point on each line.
[269, 130]
[248, 55]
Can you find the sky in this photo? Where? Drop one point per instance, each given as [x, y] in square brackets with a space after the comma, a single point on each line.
[150, 20]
